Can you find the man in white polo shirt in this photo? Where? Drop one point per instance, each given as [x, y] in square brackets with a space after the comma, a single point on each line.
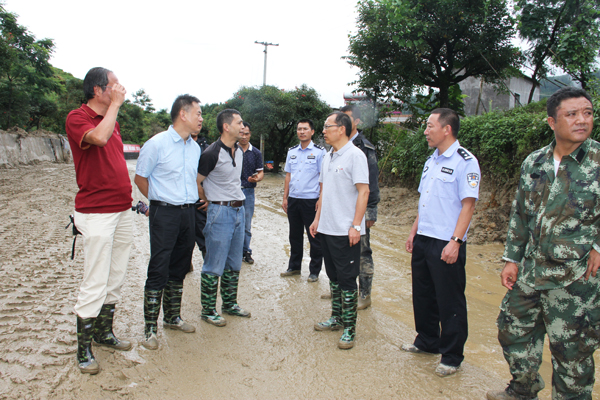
[340, 221]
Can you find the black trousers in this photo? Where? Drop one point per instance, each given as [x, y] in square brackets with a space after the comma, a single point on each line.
[171, 245]
[200, 224]
[301, 213]
[439, 300]
[342, 262]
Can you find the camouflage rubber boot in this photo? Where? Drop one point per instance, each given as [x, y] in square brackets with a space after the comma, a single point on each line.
[85, 359]
[103, 333]
[349, 304]
[229, 288]
[172, 295]
[152, 300]
[208, 298]
[334, 323]
[364, 291]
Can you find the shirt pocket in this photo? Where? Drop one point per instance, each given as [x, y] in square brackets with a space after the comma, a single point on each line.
[581, 201]
[445, 187]
[311, 164]
[533, 194]
[293, 165]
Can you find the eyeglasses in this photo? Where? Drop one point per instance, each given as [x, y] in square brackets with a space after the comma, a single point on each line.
[329, 126]
[105, 87]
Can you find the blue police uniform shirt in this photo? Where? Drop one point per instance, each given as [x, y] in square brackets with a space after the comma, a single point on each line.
[447, 179]
[304, 165]
[171, 167]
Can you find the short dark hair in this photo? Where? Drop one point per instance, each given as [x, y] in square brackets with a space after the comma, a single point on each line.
[225, 117]
[96, 76]
[565, 93]
[343, 120]
[247, 125]
[353, 108]
[448, 117]
[307, 121]
[182, 101]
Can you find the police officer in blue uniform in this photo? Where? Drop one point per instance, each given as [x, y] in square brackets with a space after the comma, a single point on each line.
[300, 196]
[449, 189]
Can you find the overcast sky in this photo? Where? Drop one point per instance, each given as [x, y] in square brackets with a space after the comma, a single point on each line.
[205, 48]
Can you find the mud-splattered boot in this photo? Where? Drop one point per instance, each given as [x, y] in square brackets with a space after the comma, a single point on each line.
[349, 304]
[364, 292]
[229, 289]
[334, 323]
[85, 359]
[152, 300]
[103, 333]
[209, 286]
[172, 295]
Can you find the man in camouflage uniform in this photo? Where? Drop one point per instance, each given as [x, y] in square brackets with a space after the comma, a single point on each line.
[552, 255]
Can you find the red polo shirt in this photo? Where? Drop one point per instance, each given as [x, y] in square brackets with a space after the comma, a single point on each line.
[102, 176]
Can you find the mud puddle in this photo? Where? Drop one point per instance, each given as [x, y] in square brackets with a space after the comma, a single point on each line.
[274, 355]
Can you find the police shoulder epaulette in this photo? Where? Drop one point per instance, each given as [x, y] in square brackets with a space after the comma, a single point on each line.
[464, 153]
[318, 146]
[293, 147]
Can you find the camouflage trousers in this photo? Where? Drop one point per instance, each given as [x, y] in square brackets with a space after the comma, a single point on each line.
[571, 318]
[367, 268]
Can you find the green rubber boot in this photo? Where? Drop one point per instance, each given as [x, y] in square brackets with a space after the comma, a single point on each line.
[85, 359]
[103, 333]
[209, 286]
[152, 300]
[349, 304]
[334, 323]
[229, 289]
[172, 295]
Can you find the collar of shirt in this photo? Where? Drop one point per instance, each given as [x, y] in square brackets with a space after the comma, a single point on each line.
[249, 147]
[449, 151]
[310, 146]
[578, 154]
[341, 151]
[87, 109]
[353, 138]
[228, 149]
[175, 136]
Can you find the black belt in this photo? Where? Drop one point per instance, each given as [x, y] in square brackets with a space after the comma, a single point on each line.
[234, 203]
[165, 204]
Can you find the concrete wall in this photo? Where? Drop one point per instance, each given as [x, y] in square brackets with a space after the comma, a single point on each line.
[17, 148]
[492, 100]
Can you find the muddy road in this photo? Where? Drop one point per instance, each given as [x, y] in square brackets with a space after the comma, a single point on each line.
[274, 355]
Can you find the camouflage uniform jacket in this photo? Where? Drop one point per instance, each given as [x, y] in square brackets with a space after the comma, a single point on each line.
[362, 143]
[555, 221]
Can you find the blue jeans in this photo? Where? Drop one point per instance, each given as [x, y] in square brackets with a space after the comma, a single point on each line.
[224, 238]
[249, 206]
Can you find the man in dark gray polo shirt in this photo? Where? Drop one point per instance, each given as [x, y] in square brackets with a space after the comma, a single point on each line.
[220, 171]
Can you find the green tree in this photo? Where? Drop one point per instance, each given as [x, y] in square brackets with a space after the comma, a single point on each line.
[404, 46]
[141, 99]
[26, 76]
[274, 113]
[565, 32]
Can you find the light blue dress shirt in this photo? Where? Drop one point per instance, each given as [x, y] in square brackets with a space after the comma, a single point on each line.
[171, 167]
[447, 179]
[304, 165]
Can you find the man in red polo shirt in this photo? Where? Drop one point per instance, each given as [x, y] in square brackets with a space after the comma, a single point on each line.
[102, 212]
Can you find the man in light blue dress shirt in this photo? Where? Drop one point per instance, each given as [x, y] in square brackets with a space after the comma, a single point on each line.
[166, 174]
[449, 189]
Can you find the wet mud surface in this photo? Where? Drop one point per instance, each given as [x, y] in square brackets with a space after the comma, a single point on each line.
[276, 354]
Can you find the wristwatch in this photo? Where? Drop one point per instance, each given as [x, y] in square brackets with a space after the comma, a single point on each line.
[357, 227]
[457, 240]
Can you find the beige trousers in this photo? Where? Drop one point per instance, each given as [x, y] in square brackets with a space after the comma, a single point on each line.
[107, 240]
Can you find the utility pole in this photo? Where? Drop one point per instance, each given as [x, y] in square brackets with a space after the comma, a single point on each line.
[265, 51]
[262, 145]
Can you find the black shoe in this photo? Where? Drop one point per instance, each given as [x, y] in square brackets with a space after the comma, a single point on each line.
[247, 258]
[290, 272]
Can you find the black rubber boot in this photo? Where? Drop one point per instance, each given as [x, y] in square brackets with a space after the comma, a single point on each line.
[103, 330]
[85, 359]
[152, 300]
[229, 289]
[208, 298]
[334, 323]
[172, 296]
[349, 303]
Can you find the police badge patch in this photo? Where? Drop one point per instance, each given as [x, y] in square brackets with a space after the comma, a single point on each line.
[473, 180]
